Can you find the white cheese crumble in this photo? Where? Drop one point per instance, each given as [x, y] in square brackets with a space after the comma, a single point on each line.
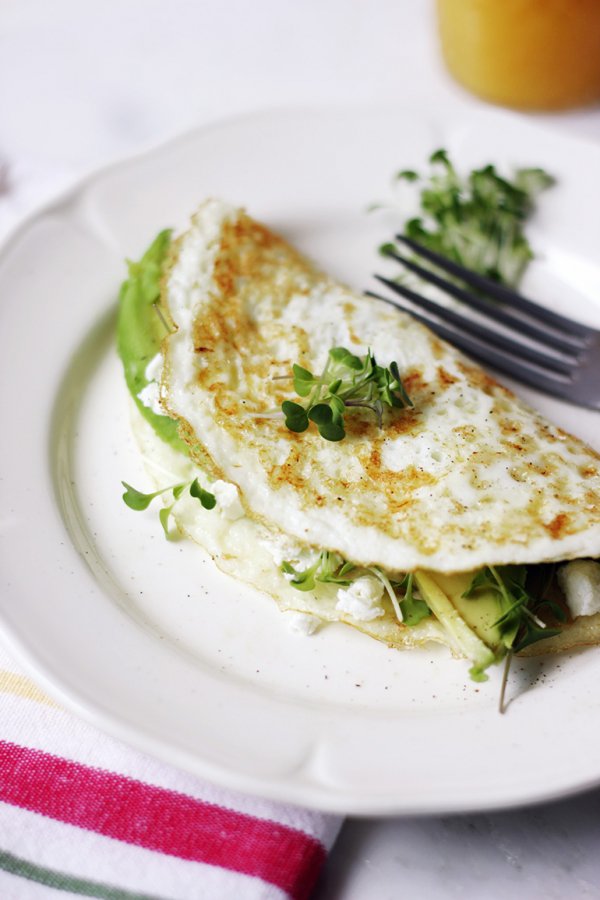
[580, 581]
[228, 500]
[361, 599]
[302, 623]
[154, 368]
[149, 396]
[283, 549]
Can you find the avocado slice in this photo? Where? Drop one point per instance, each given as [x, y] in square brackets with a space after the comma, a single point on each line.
[440, 595]
[481, 611]
[141, 330]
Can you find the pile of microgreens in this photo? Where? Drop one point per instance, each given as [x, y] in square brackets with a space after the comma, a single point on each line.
[330, 568]
[137, 500]
[476, 221]
[347, 381]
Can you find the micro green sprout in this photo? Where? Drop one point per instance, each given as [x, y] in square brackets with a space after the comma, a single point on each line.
[137, 500]
[519, 622]
[328, 568]
[347, 381]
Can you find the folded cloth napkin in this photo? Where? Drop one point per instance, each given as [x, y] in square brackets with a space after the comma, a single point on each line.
[81, 813]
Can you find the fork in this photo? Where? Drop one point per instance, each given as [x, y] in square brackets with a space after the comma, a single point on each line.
[562, 357]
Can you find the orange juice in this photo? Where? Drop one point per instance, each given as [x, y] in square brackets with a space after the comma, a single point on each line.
[532, 54]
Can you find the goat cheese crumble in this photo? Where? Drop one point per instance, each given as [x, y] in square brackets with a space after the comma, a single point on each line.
[580, 581]
[283, 549]
[228, 500]
[149, 396]
[302, 623]
[361, 599]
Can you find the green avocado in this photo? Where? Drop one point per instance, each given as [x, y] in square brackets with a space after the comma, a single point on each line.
[481, 612]
[141, 329]
[441, 599]
[475, 612]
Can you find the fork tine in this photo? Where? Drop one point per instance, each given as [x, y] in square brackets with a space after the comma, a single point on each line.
[510, 366]
[563, 343]
[464, 323]
[499, 291]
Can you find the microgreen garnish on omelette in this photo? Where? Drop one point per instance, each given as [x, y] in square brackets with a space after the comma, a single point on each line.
[467, 519]
[346, 382]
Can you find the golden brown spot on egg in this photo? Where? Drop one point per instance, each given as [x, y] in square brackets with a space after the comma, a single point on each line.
[437, 348]
[404, 422]
[558, 526]
[592, 501]
[588, 471]
[466, 432]
[413, 381]
[349, 309]
[479, 379]
[515, 445]
[225, 405]
[397, 484]
[509, 426]
[426, 540]
[445, 378]
[289, 472]
[357, 425]
[593, 453]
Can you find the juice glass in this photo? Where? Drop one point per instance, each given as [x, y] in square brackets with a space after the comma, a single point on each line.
[530, 54]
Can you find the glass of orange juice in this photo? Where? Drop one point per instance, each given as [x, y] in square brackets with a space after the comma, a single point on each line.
[530, 54]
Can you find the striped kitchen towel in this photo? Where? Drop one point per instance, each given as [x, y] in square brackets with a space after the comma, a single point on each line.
[81, 813]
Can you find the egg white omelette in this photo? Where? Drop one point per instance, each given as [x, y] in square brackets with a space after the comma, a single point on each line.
[467, 480]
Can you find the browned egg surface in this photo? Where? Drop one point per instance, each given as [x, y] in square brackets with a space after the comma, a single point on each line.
[469, 476]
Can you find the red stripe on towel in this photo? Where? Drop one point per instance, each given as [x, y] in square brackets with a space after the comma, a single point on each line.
[159, 819]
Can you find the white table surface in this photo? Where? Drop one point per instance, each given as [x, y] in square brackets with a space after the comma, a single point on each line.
[83, 83]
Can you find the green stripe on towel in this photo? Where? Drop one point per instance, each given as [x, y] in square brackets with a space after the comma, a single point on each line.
[61, 882]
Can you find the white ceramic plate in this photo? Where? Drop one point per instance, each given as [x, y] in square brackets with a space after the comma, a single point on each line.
[145, 638]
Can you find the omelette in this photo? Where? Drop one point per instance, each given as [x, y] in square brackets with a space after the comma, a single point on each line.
[442, 509]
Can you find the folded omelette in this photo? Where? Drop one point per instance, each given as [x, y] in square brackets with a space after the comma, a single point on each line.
[458, 515]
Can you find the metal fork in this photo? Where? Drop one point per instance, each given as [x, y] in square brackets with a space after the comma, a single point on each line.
[562, 357]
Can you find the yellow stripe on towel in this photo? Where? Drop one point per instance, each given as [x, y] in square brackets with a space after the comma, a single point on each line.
[11, 683]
